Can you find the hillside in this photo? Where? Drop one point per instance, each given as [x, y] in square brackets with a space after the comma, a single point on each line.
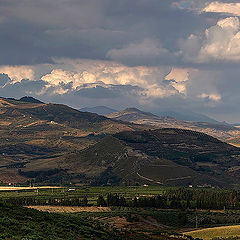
[25, 223]
[39, 134]
[52, 143]
[133, 115]
[163, 157]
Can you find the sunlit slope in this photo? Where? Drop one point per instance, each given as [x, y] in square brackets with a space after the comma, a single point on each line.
[217, 232]
[218, 130]
[43, 133]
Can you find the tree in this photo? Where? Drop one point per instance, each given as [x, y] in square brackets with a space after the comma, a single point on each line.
[101, 201]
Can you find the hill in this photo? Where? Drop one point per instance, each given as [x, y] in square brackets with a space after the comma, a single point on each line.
[29, 100]
[187, 116]
[101, 110]
[163, 157]
[25, 223]
[53, 143]
[133, 115]
[39, 134]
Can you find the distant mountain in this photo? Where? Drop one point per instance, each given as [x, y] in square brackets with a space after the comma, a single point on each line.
[26, 99]
[101, 110]
[187, 116]
[133, 115]
[29, 100]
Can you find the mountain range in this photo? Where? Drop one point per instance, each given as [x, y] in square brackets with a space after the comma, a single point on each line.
[180, 115]
[53, 143]
[221, 131]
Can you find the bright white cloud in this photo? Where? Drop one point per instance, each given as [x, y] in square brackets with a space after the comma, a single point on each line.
[179, 78]
[213, 96]
[87, 73]
[178, 74]
[17, 73]
[220, 7]
[220, 42]
[59, 76]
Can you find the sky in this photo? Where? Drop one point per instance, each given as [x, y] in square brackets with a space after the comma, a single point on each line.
[155, 55]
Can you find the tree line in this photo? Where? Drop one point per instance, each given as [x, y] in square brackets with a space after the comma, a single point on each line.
[180, 198]
[175, 198]
[26, 201]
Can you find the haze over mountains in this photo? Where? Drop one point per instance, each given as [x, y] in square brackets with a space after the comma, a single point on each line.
[101, 110]
[212, 127]
[183, 115]
[53, 143]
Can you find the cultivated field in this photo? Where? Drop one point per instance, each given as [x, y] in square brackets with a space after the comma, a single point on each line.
[68, 209]
[26, 188]
[217, 232]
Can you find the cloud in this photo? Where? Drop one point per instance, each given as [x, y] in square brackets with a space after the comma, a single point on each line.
[147, 52]
[4, 79]
[220, 42]
[226, 8]
[107, 91]
[59, 76]
[21, 88]
[83, 82]
[212, 96]
[17, 73]
[2, 19]
[146, 81]
[179, 77]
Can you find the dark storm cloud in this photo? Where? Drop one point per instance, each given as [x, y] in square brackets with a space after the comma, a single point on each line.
[159, 33]
[4, 79]
[23, 88]
[111, 91]
[35, 31]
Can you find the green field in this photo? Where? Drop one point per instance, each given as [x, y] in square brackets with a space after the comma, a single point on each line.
[91, 193]
[140, 221]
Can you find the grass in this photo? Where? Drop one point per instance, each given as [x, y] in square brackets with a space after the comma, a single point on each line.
[216, 232]
[22, 223]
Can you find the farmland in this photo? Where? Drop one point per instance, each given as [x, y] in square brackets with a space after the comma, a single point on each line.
[217, 232]
[142, 215]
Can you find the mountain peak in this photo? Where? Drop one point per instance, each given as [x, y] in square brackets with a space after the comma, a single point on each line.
[29, 99]
[101, 110]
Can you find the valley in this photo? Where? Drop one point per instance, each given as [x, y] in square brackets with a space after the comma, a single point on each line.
[98, 172]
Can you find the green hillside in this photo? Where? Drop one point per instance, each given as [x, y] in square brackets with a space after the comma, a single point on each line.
[162, 157]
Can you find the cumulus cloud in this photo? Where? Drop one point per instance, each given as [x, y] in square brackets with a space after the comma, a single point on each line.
[17, 73]
[4, 79]
[60, 76]
[146, 81]
[146, 52]
[220, 42]
[83, 82]
[212, 96]
[178, 78]
[192, 5]
[220, 7]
